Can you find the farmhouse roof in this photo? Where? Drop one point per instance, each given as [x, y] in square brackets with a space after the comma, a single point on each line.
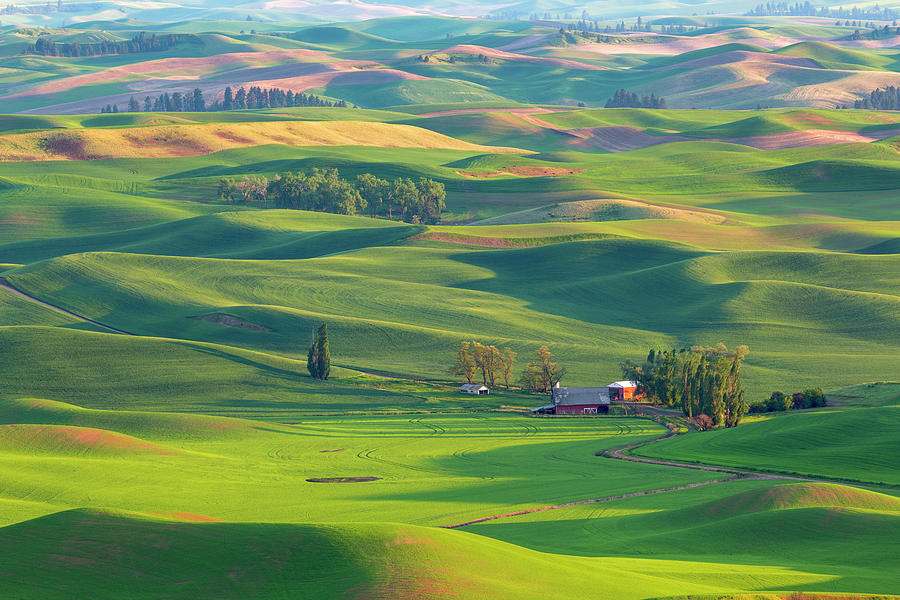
[575, 396]
[624, 384]
[473, 387]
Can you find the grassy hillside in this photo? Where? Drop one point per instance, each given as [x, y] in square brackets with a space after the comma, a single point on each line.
[852, 444]
[428, 298]
[191, 377]
[428, 469]
[802, 527]
[737, 63]
[191, 454]
[385, 560]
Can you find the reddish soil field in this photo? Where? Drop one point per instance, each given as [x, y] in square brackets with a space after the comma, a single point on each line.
[186, 516]
[341, 75]
[483, 242]
[470, 111]
[56, 437]
[744, 56]
[186, 68]
[342, 479]
[810, 137]
[524, 171]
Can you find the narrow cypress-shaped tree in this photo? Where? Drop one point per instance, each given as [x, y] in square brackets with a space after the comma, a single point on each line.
[318, 359]
[311, 364]
[323, 356]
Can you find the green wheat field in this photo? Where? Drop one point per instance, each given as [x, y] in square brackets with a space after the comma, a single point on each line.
[161, 435]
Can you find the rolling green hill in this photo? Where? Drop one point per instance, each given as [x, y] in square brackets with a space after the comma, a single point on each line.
[187, 453]
[269, 561]
[804, 525]
[827, 444]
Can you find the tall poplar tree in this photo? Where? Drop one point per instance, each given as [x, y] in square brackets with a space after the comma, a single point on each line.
[318, 359]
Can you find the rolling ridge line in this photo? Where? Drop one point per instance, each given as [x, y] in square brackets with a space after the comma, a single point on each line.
[4, 284]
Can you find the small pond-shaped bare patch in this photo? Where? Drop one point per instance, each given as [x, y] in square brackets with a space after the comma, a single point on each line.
[230, 321]
[342, 479]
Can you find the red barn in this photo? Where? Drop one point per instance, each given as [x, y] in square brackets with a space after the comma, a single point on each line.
[577, 401]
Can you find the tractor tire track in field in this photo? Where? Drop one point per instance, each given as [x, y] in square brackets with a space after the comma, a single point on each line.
[596, 500]
[4, 284]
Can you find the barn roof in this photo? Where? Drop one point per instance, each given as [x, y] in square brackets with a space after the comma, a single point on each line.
[573, 396]
[473, 387]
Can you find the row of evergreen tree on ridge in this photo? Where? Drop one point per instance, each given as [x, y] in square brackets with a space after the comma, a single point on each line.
[625, 99]
[255, 97]
[806, 9]
[45, 46]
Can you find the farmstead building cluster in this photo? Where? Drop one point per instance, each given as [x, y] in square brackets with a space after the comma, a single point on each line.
[588, 400]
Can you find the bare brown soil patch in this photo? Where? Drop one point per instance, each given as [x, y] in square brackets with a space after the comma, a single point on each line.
[183, 68]
[740, 56]
[622, 138]
[522, 170]
[342, 479]
[230, 321]
[470, 111]
[468, 240]
[68, 439]
[497, 242]
[341, 74]
[817, 596]
[187, 516]
[811, 137]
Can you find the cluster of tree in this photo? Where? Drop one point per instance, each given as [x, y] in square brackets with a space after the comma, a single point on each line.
[142, 42]
[625, 99]
[876, 33]
[676, 29]
[318, 359]
[585, 27]
[453, 59]
[324, 190]
[779, 401]
[243, 99]
[539, 375]
[473, 358]
[806, 9]
[881, 99]
[868, 25]
[702, 381]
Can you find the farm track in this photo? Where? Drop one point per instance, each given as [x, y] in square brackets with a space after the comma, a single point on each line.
[596, 500]
[4, 284]
[617, 452]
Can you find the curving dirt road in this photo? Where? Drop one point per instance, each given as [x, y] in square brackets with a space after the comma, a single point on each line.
[595, 500]
[617, 452]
